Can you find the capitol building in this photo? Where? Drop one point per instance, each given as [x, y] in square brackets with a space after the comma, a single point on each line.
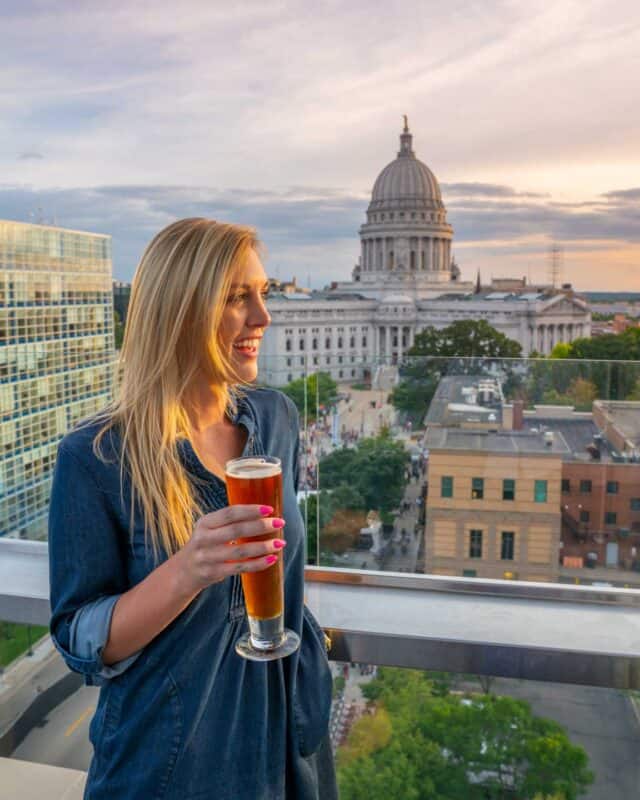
[405, 280]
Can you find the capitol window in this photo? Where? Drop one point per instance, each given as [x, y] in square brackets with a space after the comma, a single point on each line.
[288, 345]
[364, 341]
[327, 343]
[314, 344]
[352, 341]
[340, 341]
[301, 343]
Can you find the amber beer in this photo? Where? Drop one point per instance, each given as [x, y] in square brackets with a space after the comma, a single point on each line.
[258, 480]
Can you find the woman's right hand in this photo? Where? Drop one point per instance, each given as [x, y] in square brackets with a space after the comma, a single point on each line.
[213, 552]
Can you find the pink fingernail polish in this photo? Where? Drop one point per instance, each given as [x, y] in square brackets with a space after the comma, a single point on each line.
[266, 510]
[277, 523]
[271, 559]
[278, 543]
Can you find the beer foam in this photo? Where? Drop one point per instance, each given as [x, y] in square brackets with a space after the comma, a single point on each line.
[252, 468]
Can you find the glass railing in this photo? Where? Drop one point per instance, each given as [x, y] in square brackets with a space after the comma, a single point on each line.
[512, 469]
[474, 526]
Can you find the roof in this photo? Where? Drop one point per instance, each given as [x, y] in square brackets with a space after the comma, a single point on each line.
[406, 178]
[501, 442]
[577, 432]
[456, 402]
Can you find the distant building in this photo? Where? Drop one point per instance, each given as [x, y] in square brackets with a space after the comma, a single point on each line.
[405, 280]
[493, 504]
[56, 357]
[600, 486]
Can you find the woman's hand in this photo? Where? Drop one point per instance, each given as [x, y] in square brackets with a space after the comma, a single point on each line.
[214, 552]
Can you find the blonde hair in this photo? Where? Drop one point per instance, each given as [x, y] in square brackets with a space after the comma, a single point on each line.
[178, 296]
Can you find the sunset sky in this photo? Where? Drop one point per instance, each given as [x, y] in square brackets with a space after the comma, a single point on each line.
[119, 117]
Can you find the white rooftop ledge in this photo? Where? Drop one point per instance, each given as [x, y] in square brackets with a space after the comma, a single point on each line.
[535, 631]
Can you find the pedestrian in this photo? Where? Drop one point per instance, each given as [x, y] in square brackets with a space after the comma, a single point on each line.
[145, 564]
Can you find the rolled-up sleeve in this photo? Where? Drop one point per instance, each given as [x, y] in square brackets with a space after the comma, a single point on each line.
[86, 567]
[89, 632]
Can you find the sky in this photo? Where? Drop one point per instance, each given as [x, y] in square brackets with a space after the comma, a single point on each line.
[120, 117]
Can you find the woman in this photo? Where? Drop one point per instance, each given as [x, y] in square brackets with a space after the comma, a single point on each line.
[145, 591]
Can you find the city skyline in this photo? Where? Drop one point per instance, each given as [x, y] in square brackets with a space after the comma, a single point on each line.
[282, 117]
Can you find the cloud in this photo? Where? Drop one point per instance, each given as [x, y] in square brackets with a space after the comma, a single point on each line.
[30, 155]
[624, 196]
[284, 93]
[314, 231]
[476, 189]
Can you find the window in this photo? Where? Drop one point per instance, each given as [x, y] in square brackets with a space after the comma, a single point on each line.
[340, 342]
[314, 344]
[585, 487]
[469, 573]
[364, 341]
[352, 341]
[635, 503]
[327, 343]
[610, 518]
[446, 486]
[475, 544]
[289, 360]
[477, 488]
[506, 549]
[566, 486]
[612, 487]
[508, 489]
[584, 515]
[301, 344]
[540, 492]
[288, 345]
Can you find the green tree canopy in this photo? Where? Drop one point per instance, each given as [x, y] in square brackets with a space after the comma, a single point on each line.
[374, 469]
[318, 385]
[458, 748]
[465, 338]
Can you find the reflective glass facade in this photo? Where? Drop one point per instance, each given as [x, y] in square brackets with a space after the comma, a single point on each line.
[56, 357]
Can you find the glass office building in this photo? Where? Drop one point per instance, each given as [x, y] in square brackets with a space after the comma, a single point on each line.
[57, 357]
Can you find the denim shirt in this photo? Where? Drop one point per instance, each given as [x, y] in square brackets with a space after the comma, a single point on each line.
[186, 718]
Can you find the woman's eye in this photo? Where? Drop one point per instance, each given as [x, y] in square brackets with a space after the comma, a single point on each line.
[237, 298]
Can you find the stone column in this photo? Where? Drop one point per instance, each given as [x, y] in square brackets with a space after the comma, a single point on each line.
[429, 254]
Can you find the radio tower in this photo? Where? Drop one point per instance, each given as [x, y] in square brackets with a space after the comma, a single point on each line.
[555, 264]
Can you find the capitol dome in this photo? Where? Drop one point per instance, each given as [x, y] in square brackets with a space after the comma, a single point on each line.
[406, 181]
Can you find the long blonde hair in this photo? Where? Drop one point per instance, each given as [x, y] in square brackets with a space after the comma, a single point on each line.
[177, 299]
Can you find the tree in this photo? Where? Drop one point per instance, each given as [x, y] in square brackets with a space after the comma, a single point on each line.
[460, 748]
[319, 385]
[465, 338]
[374, 469]
[414, 394]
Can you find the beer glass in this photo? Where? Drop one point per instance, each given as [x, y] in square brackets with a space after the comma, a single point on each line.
[258, 479]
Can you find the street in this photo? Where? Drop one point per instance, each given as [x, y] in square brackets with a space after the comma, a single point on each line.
[600, 720]
[62, 738]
